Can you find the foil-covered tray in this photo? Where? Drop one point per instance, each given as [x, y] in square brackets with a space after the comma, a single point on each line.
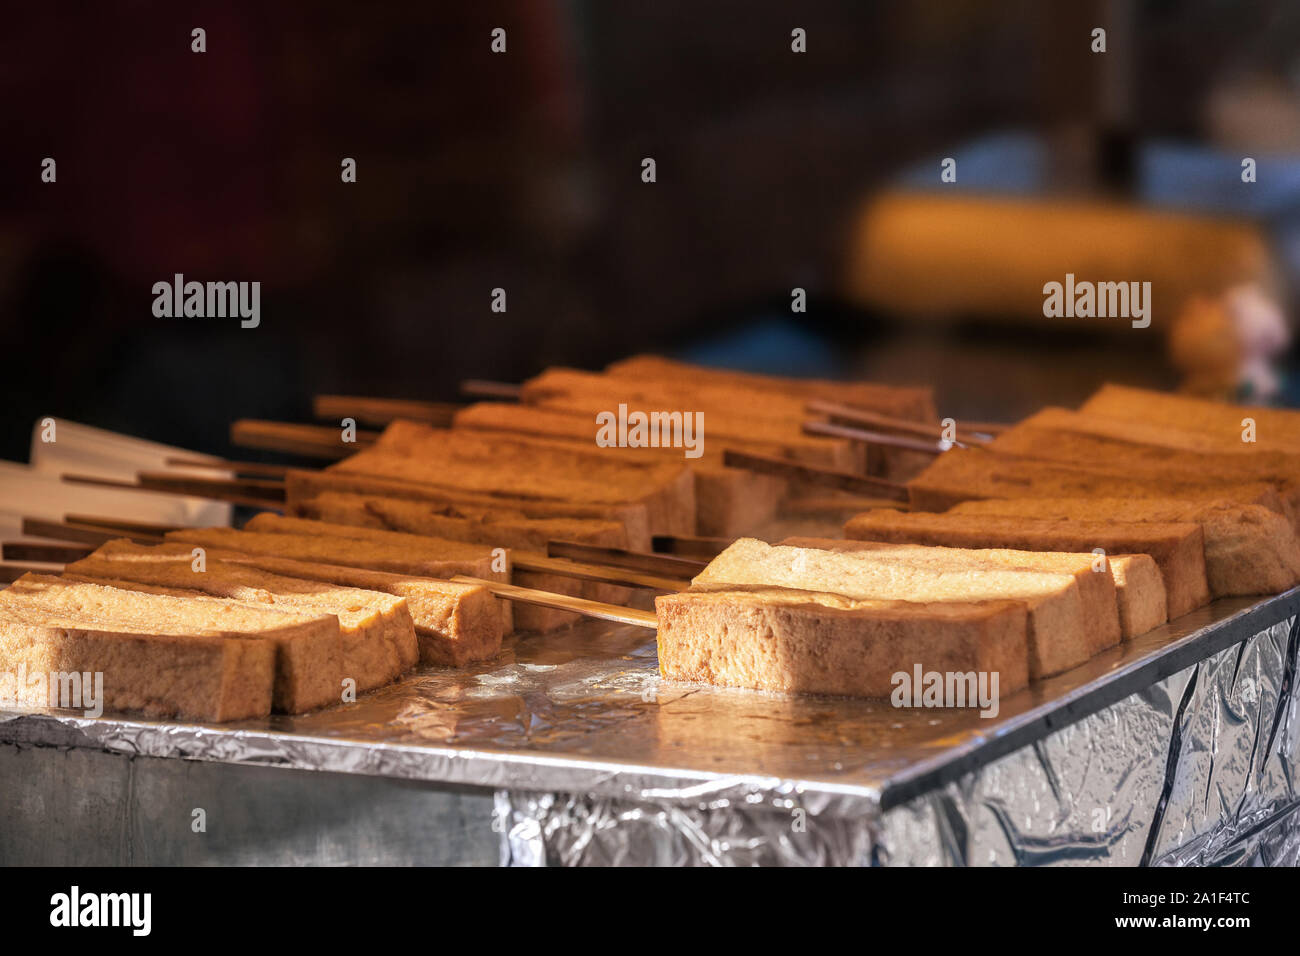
[583, 711]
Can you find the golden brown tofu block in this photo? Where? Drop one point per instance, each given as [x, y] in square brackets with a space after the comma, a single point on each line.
[1073, 609]
[1139, 591]
[514, 466]
[963, 474]
[1177, 548]
[425, 557]
[436, 602]
[905, 402]
[164, 670]
[492, 528]
[1139, 431]
[1277, 429]
[378, 635]
[902, 401]
[729, 413]
[792, 641]
[302, 486]
[522, 616]
[455, 624]
[1248, 549]
[1070, 617]
[728, 501]
[1155, 463]
[1143, 604]
[307, 648]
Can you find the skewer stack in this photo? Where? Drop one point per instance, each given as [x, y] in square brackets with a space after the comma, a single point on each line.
[1023, 551]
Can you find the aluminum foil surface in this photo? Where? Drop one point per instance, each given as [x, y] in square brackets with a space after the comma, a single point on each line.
[1197, 769]
[1178, 747]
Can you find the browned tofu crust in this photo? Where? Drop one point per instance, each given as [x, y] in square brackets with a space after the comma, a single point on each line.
[797, 642]
[308, 647]
[301, 486]
[1276, 428]
[1143, 604]
[1177, 548]
[455, 624]
[1073, 610]
[963, 474]
[1249, 549]
[903, 401]
[195, 674]
[516, 466]
[377, 633]
[381, 518]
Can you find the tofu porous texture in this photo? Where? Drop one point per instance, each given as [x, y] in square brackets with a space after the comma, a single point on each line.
[524, 616]
[378, 635]
[510, 466]
[1071, 616]
[303, 486]
[455, 623]
[373, 513]
[1138, 589]
[963, 474]
[1178, 548]
[1249, 549]
[434, 605]
[728, 501]
[162, 670]
[772, 636]
[305, 648]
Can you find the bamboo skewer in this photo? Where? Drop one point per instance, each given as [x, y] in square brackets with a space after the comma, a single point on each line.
[83, 534]
[259, 490]
[689, 545]
[49, 553]
[481, 388]
[314, 441]
[623, 558]
[9, 573]
[829, 477]
[565, 602]
[236, 467]
[851, 415]
[214, 489]
[832, 430]
[381, 411]
[591, 572]
[121, 524]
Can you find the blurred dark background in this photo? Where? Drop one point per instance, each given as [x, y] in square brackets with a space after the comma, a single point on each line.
[523, 171]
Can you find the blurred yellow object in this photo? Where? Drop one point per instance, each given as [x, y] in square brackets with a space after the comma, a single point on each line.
[926, 255]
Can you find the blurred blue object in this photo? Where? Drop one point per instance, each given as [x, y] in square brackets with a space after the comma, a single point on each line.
[773, 344]
[1172, 175]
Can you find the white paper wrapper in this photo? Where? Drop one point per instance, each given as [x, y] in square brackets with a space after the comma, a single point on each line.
[37, 490]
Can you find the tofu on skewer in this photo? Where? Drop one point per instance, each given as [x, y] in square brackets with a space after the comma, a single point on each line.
[378, 636]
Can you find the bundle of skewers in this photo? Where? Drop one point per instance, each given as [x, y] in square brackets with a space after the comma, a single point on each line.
[437, 530]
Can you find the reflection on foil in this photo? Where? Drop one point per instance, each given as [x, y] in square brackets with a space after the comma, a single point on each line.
[1194, 770]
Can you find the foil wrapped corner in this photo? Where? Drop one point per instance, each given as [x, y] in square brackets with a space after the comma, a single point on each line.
[1196, 769]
